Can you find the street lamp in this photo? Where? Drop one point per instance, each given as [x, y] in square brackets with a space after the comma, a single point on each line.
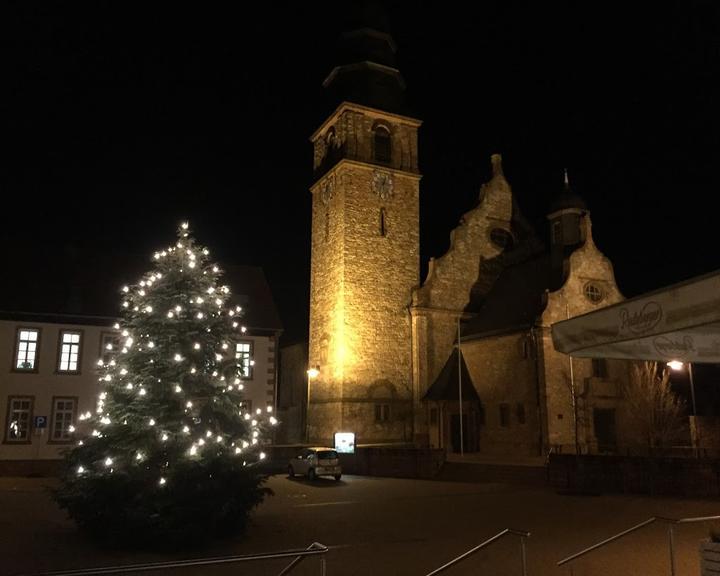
[677, 365]
[312, 373]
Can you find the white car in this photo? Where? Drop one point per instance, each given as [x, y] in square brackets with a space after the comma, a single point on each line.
[317, 461]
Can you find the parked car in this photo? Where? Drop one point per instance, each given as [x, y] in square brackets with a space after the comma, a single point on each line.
[317, 461]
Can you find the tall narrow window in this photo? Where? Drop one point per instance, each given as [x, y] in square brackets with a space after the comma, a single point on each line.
[557, 232]
[27, 349]
[109, 344]
[69, 352]
[383, 148]
[520, 413]
[599, 368]
[383, 222]
[327, 224]
[382, 412]
[243, 354]
[504, 415]
[18, 419]
[63, 417]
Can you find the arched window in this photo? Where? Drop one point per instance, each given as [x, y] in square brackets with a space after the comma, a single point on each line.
[383, 147]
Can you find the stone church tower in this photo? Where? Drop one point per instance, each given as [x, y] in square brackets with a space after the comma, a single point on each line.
[365, 249]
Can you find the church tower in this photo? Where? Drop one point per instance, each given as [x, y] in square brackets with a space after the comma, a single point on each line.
[365, 249]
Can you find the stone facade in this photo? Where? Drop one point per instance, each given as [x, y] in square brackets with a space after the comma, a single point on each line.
[365, 262]
[381, 341]
[446, 292]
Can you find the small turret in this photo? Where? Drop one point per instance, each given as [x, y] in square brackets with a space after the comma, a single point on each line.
[566, 231]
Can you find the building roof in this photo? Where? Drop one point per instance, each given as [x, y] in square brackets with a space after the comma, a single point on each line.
[515, 301]
[446, 385]
[250, 290]
[88, 292]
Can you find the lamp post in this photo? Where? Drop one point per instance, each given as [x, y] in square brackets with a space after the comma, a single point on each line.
[677, 365]
[312, 373]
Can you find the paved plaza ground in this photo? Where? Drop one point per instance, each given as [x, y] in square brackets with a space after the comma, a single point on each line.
[384, 526]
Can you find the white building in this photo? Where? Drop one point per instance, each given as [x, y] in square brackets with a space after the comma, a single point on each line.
[48, 378]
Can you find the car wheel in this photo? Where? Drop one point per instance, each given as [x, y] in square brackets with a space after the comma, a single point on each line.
[291, 472]
[337, 477]
[311, 474]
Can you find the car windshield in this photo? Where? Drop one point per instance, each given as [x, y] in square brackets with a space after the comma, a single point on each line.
[327, 454]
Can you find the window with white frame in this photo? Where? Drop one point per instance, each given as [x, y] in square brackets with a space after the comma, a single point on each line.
[18, 419]
[27, 349]
[109, 343]
[69, 352]
[63, 417]
[243, 354]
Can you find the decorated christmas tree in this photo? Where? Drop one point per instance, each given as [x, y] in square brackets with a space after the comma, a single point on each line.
[168, 455]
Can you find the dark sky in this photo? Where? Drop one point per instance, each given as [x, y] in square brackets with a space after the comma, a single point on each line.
[125, 118]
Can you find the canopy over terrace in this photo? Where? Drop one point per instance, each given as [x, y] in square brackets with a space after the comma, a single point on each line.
[681, 322]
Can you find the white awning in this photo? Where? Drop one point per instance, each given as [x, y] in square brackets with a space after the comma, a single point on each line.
[681, 322]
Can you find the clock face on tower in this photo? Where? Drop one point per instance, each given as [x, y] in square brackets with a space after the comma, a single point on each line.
[382, 184]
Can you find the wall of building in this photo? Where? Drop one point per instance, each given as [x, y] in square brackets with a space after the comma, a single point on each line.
[451, 278]
[361, 282]
[260, 388]
[585, 265]
[504, 372]
[45, 384]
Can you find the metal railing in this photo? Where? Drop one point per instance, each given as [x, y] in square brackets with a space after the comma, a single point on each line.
[671, 537]
[522, 534]
[315, 549]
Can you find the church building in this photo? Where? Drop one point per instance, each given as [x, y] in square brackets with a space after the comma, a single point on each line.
[383, 344]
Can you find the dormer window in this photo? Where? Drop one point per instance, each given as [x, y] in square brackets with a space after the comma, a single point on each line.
[383, 148]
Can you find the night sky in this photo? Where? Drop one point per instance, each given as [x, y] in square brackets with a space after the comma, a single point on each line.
[123, 119]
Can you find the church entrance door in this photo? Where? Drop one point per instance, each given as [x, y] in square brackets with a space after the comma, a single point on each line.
[455, 433]
[605, 433]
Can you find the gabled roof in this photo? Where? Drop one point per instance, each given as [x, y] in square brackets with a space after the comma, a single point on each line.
[515, 301]
[69, 290]
[251, 291]
[447, 386]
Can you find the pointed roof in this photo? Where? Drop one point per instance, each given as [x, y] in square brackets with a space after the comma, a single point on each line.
[251, 291]
[567, 199]
[366, 72]
[446, 385]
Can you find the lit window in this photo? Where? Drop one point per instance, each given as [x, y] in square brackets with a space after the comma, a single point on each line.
[594, 292]
[383, 149]
[69, 352]
[27, 349]
[63, 416]
[382, 412]
[243, 353]
[18, 420]
[109, 345]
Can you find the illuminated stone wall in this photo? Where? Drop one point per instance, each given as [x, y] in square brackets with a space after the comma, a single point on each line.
[447, 288]
[361, 279]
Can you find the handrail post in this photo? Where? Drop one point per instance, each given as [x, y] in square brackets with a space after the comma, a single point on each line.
[522, 556]
[672, 549]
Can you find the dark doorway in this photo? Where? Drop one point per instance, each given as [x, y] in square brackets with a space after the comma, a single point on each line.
[455, 432]
[605, 432]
